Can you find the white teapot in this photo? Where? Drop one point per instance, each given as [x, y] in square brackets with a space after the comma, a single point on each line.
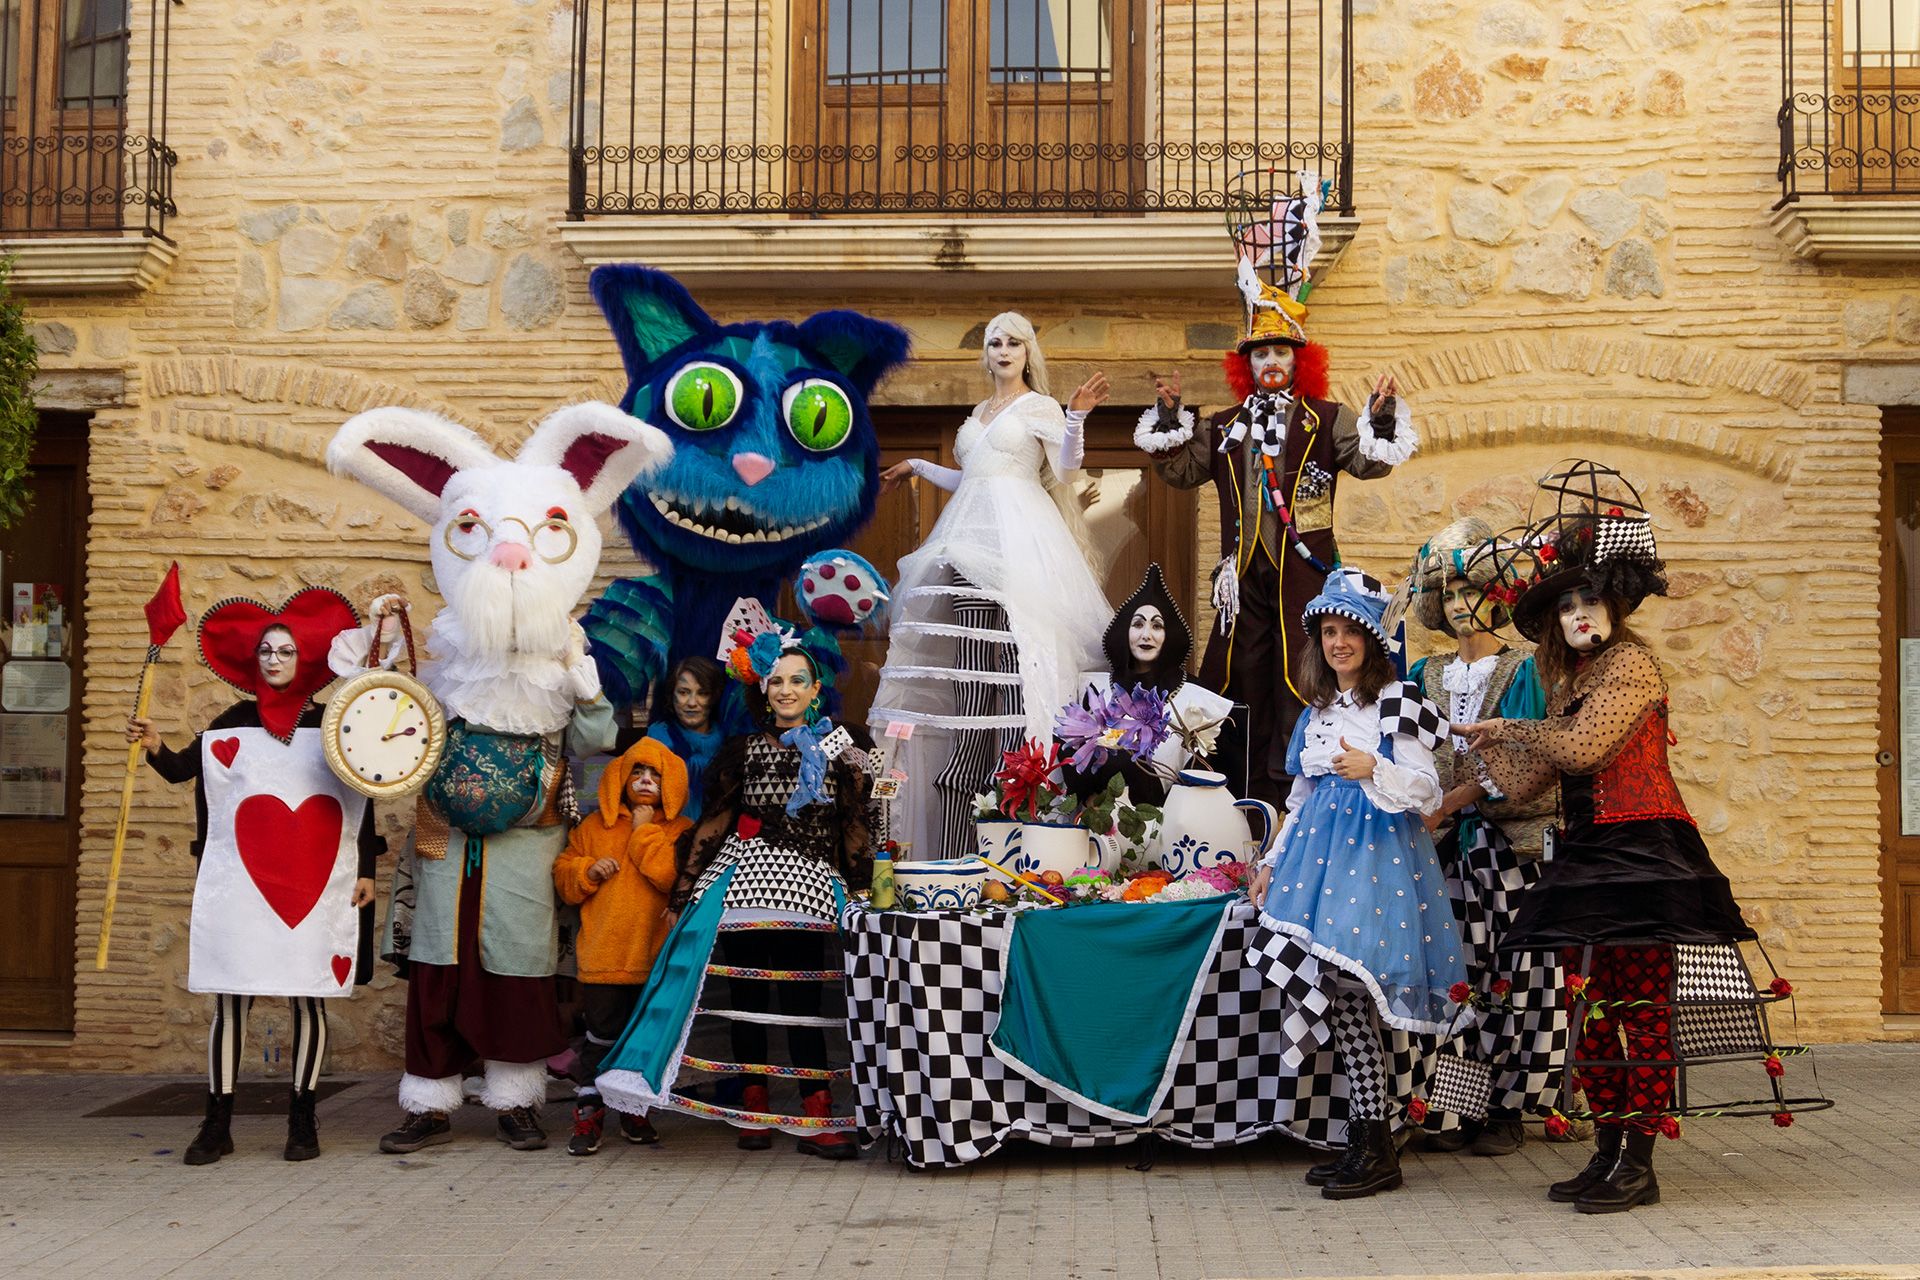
[1204, 826]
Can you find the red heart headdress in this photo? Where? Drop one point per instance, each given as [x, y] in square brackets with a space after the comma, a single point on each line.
[230, 634]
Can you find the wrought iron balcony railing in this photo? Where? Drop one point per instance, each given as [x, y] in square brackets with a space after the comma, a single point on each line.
[953, 106]
[83, 118]
[1849, 98]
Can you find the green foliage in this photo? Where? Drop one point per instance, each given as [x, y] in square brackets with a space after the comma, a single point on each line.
[19, 361]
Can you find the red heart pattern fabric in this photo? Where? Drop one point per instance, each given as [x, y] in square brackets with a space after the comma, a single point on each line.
[342, 969]
[225, 749]
[289, 853]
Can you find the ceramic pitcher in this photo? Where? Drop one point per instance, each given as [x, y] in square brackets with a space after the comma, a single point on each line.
[1205, 826]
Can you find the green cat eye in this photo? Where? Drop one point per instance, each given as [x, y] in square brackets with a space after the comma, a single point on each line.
[818, 414]
[704, 397]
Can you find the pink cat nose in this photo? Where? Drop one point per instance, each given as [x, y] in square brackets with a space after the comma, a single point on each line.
[752, 467]
[512, 556]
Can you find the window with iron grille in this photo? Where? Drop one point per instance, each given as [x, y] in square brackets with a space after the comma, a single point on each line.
[71, 71]
[1850, 96]
[954, 106]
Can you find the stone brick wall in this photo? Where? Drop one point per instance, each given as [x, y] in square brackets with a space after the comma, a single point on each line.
[1564, 252]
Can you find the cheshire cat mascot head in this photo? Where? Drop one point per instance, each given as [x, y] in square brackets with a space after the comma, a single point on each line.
[774, 454]
[774, 459]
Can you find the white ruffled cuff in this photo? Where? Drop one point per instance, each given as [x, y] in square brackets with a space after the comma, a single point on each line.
[1405, 442]
[1146, 435]
[1394, 788]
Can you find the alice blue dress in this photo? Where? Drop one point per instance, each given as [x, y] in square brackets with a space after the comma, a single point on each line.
[1362, 889]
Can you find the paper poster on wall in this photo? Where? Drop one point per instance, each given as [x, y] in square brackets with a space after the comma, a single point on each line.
[33, 765]
[35, 686]
[1910, 737]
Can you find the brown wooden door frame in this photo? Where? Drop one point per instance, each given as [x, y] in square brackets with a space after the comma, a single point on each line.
[45, 846]
[37, 113]
[1899, 855]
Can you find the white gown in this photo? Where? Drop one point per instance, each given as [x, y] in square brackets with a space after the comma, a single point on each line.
[1002, 532]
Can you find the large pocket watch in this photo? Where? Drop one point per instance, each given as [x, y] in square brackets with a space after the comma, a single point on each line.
[382, 731]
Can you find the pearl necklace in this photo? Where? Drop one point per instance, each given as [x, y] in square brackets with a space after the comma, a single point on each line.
[997, 403]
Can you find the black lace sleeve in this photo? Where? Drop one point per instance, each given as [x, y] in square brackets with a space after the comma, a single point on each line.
[724, 780]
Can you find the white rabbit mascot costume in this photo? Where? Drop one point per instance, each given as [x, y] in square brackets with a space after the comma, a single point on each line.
[514, 546]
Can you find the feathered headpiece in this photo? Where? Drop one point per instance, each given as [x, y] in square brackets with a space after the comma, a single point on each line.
[752, 641]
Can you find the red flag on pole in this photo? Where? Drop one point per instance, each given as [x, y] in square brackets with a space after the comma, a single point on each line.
[165, 612]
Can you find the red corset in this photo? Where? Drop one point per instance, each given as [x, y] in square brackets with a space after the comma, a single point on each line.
[1637, 783]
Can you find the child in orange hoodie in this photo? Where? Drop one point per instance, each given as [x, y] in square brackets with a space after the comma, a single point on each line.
[618, 868]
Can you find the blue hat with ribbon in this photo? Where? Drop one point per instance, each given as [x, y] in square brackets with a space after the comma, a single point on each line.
[1349, 593]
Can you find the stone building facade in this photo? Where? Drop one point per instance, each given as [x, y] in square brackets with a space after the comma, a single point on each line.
[1563, 249]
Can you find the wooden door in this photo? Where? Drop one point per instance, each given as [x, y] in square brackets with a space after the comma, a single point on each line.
[39, 777]
[63, 117]
[1876, 71]
[966, 104]
[1134, 519]
[1899, 757]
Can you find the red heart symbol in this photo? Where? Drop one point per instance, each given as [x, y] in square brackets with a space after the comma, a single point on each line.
[289, 852]
[342, 969]
[225, 749]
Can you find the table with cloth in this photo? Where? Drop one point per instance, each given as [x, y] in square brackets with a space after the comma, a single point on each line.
[1090, 1026]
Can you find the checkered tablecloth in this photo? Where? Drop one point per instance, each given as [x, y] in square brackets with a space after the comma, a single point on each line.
[923, 996]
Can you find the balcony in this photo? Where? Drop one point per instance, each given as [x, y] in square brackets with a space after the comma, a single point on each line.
[1048, 143]
[86, 175]
[1849, 138]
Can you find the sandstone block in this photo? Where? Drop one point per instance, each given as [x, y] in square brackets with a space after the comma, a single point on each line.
[270, 224]
[1634, 270]
[531, 295]
[304, 303]
[1665, 94]
[1446, 90]
[381, 250]
[1906, 318]
[470, 264]
[520, 128]
[1544, 198]
[1608, 214]
[1864, 321]
[428, 299]
[368, 307]
[308, 251]
[1411, 212]
[1559, 264]
[1481, 215]
[53, 338]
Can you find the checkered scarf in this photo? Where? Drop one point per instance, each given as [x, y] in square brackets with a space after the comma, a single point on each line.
[1405, 710]
[1263, 415]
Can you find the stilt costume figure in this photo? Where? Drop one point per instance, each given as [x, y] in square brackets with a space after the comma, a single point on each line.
[997, 615]
[283, 897]
[1515, 1033]
[514, 546]
[1647, 925]
[1275, 461]
[786, 833]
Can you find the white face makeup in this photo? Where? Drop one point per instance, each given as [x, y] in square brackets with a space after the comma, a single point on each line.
[691, 705]
[278, 658]
[1343, 643]
[790, 690]
[1461, 603]
[1583, 619]
[1006, 357]
[1272, 366]
[644, 786]
[1146, 634]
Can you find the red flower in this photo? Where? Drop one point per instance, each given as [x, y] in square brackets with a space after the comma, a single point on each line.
[1416, 1109]
[1780, 987]
[1783, 1119]
[1548, 553]
[1577, 984]
[1615, 511]
[1556, 1125]
[1670, 1126]
[1775, 1067]
[1459, 992]
[1501, 986]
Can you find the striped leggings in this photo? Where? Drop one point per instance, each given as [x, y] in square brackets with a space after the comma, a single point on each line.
[976, 752]
[226, 1039]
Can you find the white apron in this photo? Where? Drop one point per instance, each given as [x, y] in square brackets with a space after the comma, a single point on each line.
[272, 906]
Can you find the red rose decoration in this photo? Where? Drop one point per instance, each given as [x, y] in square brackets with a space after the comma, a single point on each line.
[1783, 1119]
[1670, 1126]
[1775, 1067]
[1459, 992]
[1780, 987]
[1577, 984]
[1548, 553]
[1416, 1109]
[1615, 511]
[1556, 1125]
[1501, 986]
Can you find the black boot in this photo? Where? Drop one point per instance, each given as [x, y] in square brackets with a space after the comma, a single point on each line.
[1501, 1135]
[1606, 1151]
[1456, 1139]
[1631, 1181]
[303, 1128]
[215, 1138]
[1321, 1174]
[1373, 1165]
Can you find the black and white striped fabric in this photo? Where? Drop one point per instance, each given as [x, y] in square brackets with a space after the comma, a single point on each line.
[1404, 709]
[923, 996]
[227, 1037]
[976, 752]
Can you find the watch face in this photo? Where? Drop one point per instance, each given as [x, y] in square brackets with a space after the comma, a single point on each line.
[384, 736]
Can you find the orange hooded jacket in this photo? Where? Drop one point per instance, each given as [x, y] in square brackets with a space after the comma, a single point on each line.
[622, 918]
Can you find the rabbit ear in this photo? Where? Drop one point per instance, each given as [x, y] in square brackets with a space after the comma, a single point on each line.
[602, 448]
[408, 455]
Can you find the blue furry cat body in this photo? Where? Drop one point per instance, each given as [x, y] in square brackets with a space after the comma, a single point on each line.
[810, 499]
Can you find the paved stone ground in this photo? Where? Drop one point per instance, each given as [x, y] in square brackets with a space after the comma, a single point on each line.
[1837, 1194]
